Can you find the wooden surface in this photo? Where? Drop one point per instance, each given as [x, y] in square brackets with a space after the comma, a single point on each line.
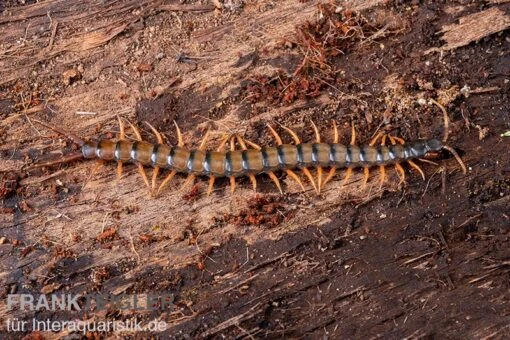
[421, 260]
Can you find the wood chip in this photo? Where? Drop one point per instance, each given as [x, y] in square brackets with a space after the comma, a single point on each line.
[473, 27]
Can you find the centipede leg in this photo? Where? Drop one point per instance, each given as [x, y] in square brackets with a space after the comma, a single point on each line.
[401, 173]
[310, 178]
[319, 168]
[295, 177]
[382, 169]
[171, 175]
[332, 171]
[166, 181]
[252, 177]
[155, 172]
[232, 178]
[366, 174]
[275, 180]
[292, 133]
[211, 185]
[276, 135]
[122, 135]
[348, 174]
[141, 170]
[411, 163]
[330, 175]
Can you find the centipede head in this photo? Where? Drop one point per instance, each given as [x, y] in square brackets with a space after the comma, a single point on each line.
[434, 147]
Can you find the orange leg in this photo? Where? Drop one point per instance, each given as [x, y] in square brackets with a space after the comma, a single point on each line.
[276, 181]
[191, 177]
[155, 172]
[332, 171]
[366, 174]
[141, 170]
[319, 168]
[122, 136]
[171, 175]
[251, 176]
[348, 174]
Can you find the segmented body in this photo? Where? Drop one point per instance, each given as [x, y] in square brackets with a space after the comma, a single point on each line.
[253, 161]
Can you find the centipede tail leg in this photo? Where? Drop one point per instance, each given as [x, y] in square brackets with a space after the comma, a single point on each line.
[141, 170]
[252, 177]
[68, 135]
[333, 169]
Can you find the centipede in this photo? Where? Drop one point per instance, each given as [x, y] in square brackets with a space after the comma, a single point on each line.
[250, 159]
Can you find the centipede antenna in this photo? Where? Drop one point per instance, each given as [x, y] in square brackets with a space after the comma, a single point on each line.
[292, 133]
[445, 118]
[414, 165]
[166, 181]
[275, 180]
[180, 141]
[457, 157]
[335, 132]
[276, 135]
[211, 185]
[68, 135]
[65, 159]
[295, 177]
[310, 178]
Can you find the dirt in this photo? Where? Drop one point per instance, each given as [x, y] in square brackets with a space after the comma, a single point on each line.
[420, 260]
